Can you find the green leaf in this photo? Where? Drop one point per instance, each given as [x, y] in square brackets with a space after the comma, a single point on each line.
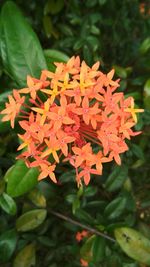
[37, 198]
[30, 220]
[127, 185]
[147, 94]
[120, 71]
[90, 191]
[68, 176]
[87, 249]
[75, 205]
[53, 6]
[116, 178]
[99, 246]
[83, 215]
[20, 179]
[115, 208]
[8, 242]
[20, 48]
[8, 204]
[55, 55]
[25, 257]
[134, 244]
[145, 46]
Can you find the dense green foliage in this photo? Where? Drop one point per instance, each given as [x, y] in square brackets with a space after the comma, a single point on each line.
[33, 231]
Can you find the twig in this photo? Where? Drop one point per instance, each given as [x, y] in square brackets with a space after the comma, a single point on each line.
[90, 229]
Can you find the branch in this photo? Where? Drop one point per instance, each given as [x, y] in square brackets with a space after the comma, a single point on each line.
[90, 229]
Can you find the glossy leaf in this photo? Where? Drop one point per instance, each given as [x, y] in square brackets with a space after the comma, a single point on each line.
[116, 207]
[52, 56]
[134, 244]
[30, 220]
[20, 179]
[99, 247]
[20, 49]
[25, 257]
[8, 242]
[8, 204]
[116, 179]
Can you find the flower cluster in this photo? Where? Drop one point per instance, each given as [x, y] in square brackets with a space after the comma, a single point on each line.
[81, 235]
[66, 114]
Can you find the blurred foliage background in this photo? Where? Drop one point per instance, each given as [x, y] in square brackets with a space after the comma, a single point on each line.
[31, 231]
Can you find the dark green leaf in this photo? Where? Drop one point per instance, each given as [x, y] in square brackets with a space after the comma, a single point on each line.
[53, 6]
[116, 207]
[48, 26]
[20, 179]
[120, 71]
[52, 56]
[83, 215]
[75, 205]
[30, 220]
[116, 178]
[8, 242]
[8, 204]
[90, 191]
[20, 49]
[68, 176]
[99, 246]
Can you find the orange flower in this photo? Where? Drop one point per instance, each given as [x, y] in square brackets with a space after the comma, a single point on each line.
[81, 109]
[13, 107]
[34, 86]
[81, 235]
[84, 263]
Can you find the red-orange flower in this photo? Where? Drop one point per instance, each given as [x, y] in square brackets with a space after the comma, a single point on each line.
[81, 109]
[81, 235]
[84, 263]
